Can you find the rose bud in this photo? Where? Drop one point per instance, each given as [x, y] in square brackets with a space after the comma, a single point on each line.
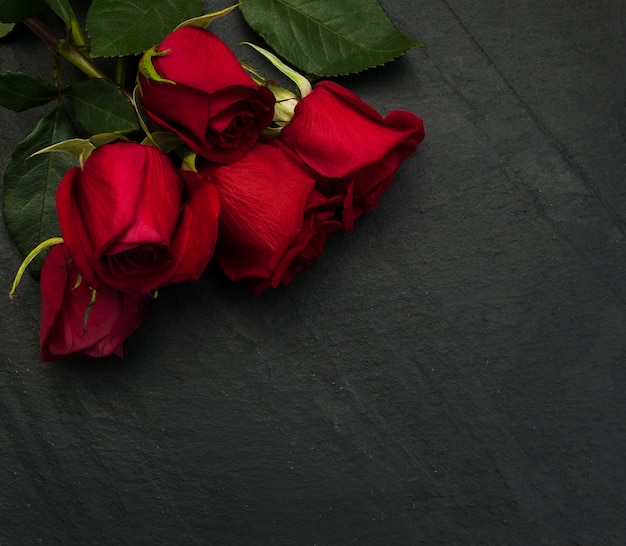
[77, 322]
[351, 145]
[197, 89]
[132, 223]
[273, 223]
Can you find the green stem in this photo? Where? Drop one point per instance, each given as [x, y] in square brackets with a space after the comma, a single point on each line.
[77, 33]
[121, 70]
[68, 51]
[56, 70]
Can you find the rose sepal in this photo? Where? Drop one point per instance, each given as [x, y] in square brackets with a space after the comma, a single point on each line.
[106, 138]
[205, 20]
[304, 85]
[146, 68]
[163, 140]
[81, 148]
[189, 158]
[169, 142]
[27, 261]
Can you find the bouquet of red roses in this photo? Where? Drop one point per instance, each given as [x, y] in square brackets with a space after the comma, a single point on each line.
[204, 159]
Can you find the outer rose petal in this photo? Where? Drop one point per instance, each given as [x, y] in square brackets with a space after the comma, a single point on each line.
[199, 59]
[113, 317]
[272, 221]
[73, 227]
[351, 145]
[201, 213]
[336, 133]
[132, 193]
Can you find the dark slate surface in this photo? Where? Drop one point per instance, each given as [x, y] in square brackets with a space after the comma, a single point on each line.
[451, 372]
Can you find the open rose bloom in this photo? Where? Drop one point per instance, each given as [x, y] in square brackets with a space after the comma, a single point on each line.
[273, 222]
[355, 150]
[132, 223]
[209, 100]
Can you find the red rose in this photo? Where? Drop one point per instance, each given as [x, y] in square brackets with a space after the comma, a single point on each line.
[351, 145]
[214, 106]
[131, 222]
[70, 327]
[273, 223]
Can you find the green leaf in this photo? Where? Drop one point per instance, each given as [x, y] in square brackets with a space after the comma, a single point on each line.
[63, 9]
[120, 27]
[5, 28]
[328, 38]
[15, 11]
[19, 92]
[30, 185]
[101, 107]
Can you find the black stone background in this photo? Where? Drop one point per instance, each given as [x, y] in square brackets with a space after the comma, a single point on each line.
[451, 372]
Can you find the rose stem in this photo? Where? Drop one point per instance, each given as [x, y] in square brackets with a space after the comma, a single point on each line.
[77, 32]
[121, 70]
[69, 51]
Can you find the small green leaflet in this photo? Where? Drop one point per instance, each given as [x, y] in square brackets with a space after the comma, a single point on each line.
[101, 107]
[19, 92]
[15, 11]
[328, 38]
[30, 185]
[119, 27]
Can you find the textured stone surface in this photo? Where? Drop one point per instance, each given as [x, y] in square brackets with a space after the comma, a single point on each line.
[450, 372]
